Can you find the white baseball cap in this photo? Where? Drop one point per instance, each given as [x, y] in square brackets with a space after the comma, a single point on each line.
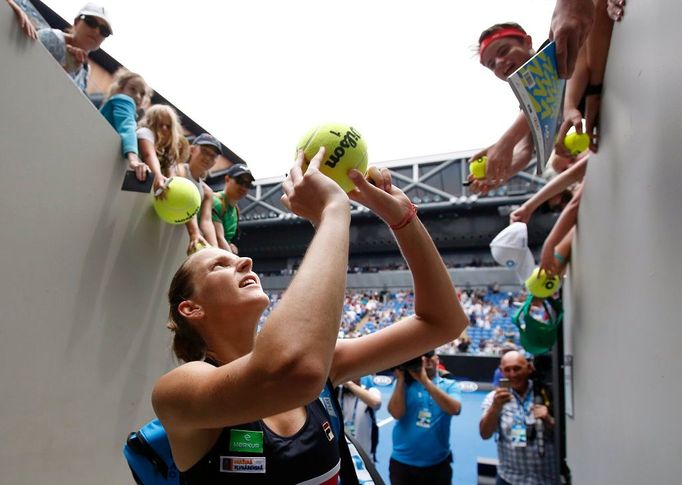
[94, 10]
[510, 249]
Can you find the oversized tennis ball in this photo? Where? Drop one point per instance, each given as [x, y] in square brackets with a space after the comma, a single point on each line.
[576, 143]
[541, 286]
[478, 167]
[345, 150]
[182, 201]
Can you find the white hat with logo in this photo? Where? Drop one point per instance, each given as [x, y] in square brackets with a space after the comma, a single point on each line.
[94, 10]
[510, 249]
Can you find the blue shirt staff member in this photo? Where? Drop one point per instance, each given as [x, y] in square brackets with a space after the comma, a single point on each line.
[423, 404]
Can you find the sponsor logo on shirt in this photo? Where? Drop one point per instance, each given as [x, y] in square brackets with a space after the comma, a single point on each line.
[328, 430]
[246, 441]
[240, 464]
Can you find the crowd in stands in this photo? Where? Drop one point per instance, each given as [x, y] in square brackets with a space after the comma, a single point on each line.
[489, 310]
[475, 262]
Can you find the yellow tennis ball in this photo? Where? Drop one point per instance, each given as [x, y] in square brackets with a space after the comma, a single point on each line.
[345, 150]
[541, 286]
[478, 167]
[198, 246]
[182, 201]
[576, 143]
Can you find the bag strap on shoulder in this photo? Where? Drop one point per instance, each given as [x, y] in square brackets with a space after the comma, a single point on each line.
[347, 474]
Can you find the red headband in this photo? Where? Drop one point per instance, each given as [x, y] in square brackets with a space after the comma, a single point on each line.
[498, 34]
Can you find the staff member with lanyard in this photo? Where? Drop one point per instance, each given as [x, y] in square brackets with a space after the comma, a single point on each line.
[520, 417]
[423, 404]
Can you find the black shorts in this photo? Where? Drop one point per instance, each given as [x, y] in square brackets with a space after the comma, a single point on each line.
[438, 474]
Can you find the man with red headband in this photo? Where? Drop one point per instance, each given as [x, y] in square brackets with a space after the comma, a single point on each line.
[503, 48]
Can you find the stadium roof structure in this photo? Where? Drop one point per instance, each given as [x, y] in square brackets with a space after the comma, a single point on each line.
[457, 219]
[433, 183]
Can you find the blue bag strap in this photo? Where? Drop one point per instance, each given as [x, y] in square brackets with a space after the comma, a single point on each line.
[137, 442]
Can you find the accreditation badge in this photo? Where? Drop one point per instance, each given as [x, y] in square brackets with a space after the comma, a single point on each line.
[349, 425]
[424, 418]
[518, 436]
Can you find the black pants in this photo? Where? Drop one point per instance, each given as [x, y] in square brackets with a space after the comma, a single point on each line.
[438, 474]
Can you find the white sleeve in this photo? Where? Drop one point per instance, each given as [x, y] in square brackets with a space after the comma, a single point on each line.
[145, 133]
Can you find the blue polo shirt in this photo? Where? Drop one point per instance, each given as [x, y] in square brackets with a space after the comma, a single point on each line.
[422, 436]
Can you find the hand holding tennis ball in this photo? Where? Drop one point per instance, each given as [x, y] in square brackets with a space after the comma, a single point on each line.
[478, 167]
[576, 143]
[181, 203]
[542, 286]
[345, 150]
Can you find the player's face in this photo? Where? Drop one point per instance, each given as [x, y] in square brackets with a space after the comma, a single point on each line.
[505, 55]
[225, 282]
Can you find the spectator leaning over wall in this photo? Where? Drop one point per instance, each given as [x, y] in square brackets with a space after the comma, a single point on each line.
[71, 47]
[161, 143]
[203, 155]
[225, 214]
[127, 95]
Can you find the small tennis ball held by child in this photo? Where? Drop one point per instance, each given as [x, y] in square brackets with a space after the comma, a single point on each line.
[345, 149]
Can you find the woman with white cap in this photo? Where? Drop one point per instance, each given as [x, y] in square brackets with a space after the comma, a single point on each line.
[71, 47]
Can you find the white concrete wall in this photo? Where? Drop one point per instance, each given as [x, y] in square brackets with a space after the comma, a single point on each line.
[624, 326]
[85, 268]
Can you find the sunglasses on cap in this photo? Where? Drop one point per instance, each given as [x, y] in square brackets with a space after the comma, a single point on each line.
[92, 22]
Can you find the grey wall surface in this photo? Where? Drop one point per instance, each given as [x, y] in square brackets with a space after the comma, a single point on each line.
[624, 327]
[85, 268]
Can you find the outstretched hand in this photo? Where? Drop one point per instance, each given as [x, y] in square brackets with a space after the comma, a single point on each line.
[377, 192]
[24, 22]
[498, 167]
[571, 23]
[548, 263]
[195, 244]
[573, 118]
[522, 214]
[308, 195]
